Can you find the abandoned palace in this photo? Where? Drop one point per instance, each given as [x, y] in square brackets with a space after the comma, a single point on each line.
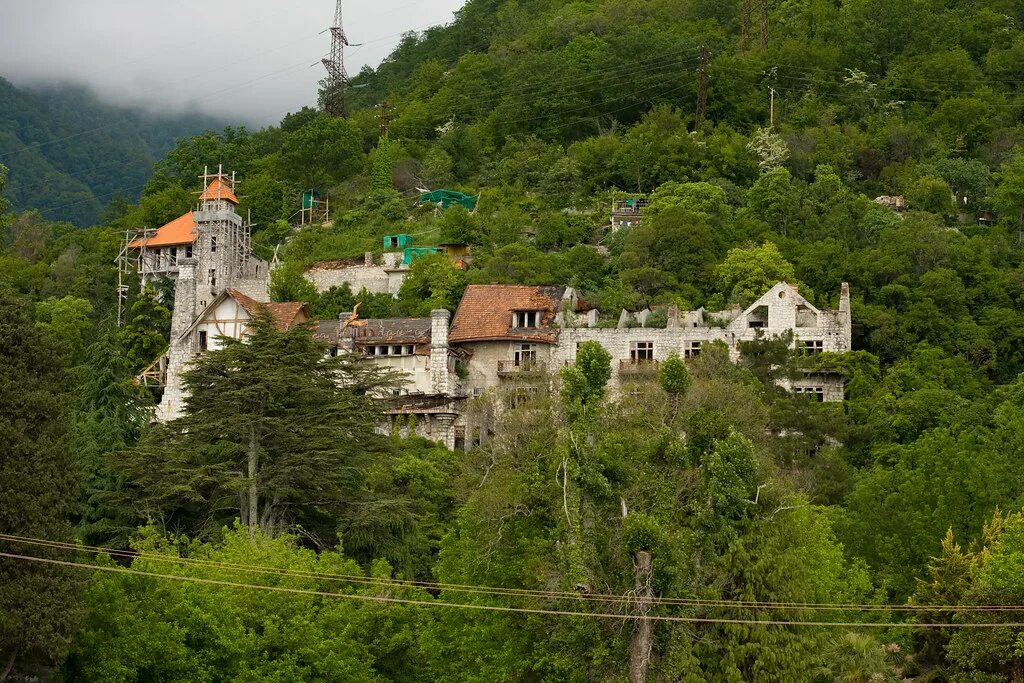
[499, 343]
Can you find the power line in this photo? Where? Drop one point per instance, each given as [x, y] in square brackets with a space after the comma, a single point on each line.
[503, 608]
[510, 592]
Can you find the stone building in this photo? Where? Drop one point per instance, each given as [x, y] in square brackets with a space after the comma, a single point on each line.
[504, 342]
[228, 315]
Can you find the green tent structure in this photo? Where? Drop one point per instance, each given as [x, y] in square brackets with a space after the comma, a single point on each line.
[445, 198]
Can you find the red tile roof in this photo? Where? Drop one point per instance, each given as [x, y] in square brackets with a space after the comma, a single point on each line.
[285, 314]
[179, 231]
[218, 188]
[485, 313]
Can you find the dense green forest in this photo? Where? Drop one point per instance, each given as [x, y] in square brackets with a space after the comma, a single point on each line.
[891, 520]
[70, 155]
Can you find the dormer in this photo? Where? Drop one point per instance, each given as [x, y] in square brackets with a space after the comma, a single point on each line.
[527, 319]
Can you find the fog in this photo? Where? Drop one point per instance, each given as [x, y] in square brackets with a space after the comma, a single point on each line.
[250, 61]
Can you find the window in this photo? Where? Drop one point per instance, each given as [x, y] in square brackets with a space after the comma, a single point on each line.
[410, 350]
[815, 393]
[525, 355]
[383, 350]
[641, 352]
[526, 318]
[213, 243]
[333, 352]
[202, 340]
[174, 256]
[188, 251]
[809, 347]
[691, 349]
[213, 277]
[758, 318]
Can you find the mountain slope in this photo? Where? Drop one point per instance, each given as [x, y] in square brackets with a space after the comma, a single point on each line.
[69, 153]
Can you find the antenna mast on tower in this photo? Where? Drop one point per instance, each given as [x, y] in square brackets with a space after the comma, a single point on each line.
[337, 77]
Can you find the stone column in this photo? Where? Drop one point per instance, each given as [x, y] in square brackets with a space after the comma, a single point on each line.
[845, 317]
[446, 430]
[180, 350]
[440, 378]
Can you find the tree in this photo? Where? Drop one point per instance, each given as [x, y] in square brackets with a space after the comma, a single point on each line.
[1009, 193]
[774, 199]
[325, 150]
[433, 282]
[146, 330]
[161, 629]
[274, 430]
[770, 149]
[287, 283]
[38, 603]
[747, 273]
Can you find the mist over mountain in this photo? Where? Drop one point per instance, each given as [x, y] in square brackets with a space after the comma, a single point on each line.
[69, 153]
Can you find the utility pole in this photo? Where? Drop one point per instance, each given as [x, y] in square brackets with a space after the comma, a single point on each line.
[385, 118]
[640, 648]
[702, 88]
[745, 13]
[764, 24]
[771, 107]
[337, 77]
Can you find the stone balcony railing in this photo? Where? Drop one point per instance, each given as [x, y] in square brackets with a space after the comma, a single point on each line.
[510, 367]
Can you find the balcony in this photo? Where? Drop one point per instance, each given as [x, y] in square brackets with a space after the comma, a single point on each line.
[509, 368]
[638, 368]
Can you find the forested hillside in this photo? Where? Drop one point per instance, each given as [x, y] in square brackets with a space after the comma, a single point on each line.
[892, 521]
[69, 154]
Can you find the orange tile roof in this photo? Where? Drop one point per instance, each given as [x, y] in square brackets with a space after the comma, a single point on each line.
[285, 314]
[485, 313]
[218, 189]
[178, 231]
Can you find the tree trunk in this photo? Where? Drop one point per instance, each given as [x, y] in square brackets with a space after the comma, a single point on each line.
[640, 648]
[254, 461]
[10, 665]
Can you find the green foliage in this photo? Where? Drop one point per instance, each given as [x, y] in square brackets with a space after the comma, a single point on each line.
[145, 331]
[287, 283]
[746, 273]
[675, 378]
[273, 430]
[177, 630]
[105, 150]
[38, 602]
[433, 282]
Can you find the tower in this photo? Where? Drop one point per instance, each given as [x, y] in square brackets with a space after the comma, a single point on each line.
[337, 77]
[222, 239]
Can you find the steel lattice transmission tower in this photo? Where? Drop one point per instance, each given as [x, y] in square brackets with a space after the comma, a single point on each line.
[337, 78]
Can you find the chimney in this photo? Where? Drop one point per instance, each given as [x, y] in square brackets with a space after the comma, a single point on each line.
[845, 318]
[673, 317]
[440, 378]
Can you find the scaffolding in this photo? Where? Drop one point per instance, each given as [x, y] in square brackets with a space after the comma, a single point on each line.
[130, 263]
[314, 209]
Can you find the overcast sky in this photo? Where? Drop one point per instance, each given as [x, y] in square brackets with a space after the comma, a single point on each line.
[247, 60]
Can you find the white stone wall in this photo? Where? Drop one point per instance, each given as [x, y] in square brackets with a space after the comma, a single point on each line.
[485, 357]
[373, 278]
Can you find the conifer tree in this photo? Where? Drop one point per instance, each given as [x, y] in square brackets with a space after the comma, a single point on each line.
[274, 432]
[38, 602]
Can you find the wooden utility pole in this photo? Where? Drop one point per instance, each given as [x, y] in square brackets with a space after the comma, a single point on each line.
[702, 88]
[640, 648]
